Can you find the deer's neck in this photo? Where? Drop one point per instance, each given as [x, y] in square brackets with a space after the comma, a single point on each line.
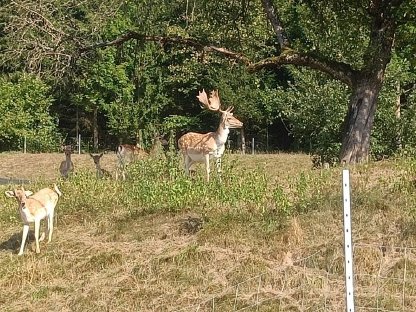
[222, 133]
[221, 137]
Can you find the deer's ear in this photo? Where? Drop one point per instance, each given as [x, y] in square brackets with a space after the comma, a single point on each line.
[9, 193]
[28, 193]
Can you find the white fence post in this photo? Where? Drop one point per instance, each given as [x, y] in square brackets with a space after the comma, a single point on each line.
[79, 144]
[252, 146]
[349, 275]
[24, 145]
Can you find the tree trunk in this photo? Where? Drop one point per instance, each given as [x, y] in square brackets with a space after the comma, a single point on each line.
[397, 113]
[95, 128]
[243, 141]
[359, 120]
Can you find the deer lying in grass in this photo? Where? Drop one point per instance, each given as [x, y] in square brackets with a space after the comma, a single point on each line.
[67, 166]
[201, 147]
[101, 173]
[34, 208]
[126, 154]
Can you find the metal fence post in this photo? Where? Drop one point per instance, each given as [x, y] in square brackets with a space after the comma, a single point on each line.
[349, 275]
[79, 144]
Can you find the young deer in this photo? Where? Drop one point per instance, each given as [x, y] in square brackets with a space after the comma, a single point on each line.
[158, 145]
[126, 154]
[67, 166]
[101, 173]
[201, 147]
[34, 208]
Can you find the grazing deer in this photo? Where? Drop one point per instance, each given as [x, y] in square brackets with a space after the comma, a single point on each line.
[34, 208]
[67, 166]
[101, 173]
[126, 154]
[158, 145]
[201, 147]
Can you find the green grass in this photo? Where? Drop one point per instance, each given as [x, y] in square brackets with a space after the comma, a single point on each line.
[120, 245]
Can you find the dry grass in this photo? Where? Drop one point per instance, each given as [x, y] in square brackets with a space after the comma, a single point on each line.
[119, 261]
[46, 166]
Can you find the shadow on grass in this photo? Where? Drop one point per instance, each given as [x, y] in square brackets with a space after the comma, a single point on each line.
[5, 181]
[13, 243]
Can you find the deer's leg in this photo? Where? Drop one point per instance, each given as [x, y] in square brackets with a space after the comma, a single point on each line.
[188, 164]
[50, 226]
[218, 164]
[123, 174]
[207, 166]
[120, 167]
[24, 236]
[117, 172]
[37, 229]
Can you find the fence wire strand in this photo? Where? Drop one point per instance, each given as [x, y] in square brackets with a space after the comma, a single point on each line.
[388, 288]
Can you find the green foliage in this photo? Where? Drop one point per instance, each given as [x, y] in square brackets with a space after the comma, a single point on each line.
[333, 29]
[151, 87]
[393, 132]
[25, 113]
[314, 108]
[105, 86]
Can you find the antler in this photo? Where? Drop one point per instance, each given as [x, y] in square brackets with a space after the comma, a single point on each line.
[214, 101]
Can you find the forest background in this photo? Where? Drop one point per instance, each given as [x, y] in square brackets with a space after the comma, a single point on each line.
[70, 68]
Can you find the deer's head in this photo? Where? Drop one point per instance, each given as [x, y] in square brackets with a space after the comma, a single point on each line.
[213, 103]
[67, 149]
[96, 158]
[20, 194]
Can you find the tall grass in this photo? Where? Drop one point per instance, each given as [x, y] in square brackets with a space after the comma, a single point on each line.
[119, 235]
[159, 186]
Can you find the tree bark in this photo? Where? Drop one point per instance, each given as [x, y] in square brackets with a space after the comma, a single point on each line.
[359, 120]
[366, 86]
[398, 114]
[95, 128]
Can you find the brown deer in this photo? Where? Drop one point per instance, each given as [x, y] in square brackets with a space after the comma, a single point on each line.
[101, 173]
[67, 166]
[35, 207]
[158, 145]
[201, 147]
[127, 154]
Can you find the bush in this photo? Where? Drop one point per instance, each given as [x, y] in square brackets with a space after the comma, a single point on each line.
[24, 110]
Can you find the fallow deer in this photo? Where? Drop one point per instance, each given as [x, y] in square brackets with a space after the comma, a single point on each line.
[100, 173]
[67, 166]
[201, 147]
[35, 207]
[158, 145]
[126, 154]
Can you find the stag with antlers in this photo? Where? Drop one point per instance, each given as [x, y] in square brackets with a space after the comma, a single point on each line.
[201, 147]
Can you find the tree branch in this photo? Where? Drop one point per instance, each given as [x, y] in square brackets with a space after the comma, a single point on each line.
[174, 40]
[337, 70]
[276, 23]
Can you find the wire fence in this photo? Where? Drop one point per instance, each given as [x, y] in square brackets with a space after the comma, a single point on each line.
[384, 278]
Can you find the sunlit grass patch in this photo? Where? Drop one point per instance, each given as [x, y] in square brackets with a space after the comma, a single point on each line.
[271, 219]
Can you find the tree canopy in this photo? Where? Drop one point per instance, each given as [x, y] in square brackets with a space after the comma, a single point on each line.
[320, 76]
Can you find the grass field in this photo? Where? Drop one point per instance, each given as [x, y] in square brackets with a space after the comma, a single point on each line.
[162, 242]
